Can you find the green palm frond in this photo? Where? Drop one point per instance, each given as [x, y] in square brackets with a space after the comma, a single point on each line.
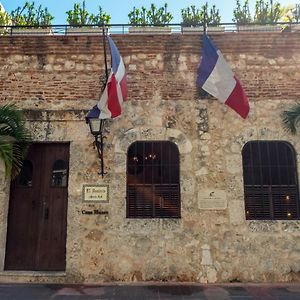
[6, 155]
[14, 139]
[291, 118]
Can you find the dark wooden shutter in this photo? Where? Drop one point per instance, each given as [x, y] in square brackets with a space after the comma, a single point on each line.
[270, 181]
[167, 201]
[257, 203]
[153, 189]
[139, 201]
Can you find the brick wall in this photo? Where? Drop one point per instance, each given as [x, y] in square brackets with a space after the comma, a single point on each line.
[67, 68]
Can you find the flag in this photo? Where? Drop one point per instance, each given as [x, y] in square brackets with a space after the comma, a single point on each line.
[215, 77]
[115, 92]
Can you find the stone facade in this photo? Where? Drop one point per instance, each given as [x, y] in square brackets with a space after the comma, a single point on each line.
[57, 79]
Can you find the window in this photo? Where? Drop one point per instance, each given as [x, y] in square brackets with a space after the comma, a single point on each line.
[153, 189]
[59, 173]
[270, 181]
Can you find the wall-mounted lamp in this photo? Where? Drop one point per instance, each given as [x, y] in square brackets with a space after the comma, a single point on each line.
[97, 127]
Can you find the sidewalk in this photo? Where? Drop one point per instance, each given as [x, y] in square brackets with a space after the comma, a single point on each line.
[150, 291]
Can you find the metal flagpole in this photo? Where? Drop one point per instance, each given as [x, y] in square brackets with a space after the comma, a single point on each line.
[104, 50]
[205, 23]
[102, 122]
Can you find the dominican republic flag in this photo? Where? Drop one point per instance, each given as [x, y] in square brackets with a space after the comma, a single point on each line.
[115, 92]
[215, 77]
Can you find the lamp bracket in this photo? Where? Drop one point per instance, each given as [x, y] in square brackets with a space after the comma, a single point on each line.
[98, 144]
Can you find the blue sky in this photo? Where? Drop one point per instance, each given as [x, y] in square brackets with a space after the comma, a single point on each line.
[120, 9]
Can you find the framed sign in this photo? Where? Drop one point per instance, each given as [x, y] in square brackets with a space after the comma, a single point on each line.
[95, 193]
[212, 199]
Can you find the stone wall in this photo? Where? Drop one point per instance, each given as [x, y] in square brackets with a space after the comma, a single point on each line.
[57, 79]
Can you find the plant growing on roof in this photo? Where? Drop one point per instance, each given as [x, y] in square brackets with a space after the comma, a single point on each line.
[267, 12]
[79, 16]
[214, 17]
[296, 13]
[29, 15]
[102, 18]
[138, 16]
[153, 16]
[241, 13]
[159, 16]
[291, 13]
[192, 16]
[4, 17]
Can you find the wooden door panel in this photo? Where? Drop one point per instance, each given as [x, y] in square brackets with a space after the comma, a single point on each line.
[37, 220]
[53, 225]
[23, 217]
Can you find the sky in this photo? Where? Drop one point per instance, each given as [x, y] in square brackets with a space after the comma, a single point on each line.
[119, 9]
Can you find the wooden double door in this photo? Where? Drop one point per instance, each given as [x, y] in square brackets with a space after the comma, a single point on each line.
[37, 217]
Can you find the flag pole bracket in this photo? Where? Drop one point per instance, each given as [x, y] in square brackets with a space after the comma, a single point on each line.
[98, 144]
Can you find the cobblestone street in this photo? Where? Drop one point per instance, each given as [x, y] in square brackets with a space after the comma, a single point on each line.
[150, 291]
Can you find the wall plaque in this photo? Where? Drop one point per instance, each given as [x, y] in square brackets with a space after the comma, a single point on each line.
[95, 193]
[212, 199]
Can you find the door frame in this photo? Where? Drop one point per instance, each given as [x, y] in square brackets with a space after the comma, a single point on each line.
[4, 207]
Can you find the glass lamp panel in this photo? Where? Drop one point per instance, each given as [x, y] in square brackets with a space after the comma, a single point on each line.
[95, 125]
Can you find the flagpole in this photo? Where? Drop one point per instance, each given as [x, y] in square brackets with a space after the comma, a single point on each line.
[104, 50]
[205, 23]
[102, 122]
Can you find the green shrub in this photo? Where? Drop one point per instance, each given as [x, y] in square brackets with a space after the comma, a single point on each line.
[28, 15]
[192, 16]
[79, 16]
[267, 12]
[153, 16]
[4, 17]
[241, 13]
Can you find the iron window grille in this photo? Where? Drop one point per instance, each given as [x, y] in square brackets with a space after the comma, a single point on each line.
[153, 186]
[270, 181]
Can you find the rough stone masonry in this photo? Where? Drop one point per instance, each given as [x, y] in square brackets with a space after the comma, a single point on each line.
[57, 79]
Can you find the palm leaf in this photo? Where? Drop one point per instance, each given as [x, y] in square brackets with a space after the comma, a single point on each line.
[14, 139]
[6, 154]
[291, 118]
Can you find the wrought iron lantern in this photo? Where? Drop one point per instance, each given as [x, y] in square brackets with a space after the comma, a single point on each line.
[97, 128]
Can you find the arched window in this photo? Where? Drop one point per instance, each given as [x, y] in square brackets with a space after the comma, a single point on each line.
[153, 189]
[59, 173]
[270, 181]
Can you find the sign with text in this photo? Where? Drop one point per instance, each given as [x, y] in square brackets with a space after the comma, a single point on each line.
[212, 199]
[95, 193]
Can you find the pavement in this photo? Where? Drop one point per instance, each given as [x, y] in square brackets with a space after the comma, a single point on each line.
[150, 291]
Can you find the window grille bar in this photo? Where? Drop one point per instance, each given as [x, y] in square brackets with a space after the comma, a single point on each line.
[275, 195]
[153, 189]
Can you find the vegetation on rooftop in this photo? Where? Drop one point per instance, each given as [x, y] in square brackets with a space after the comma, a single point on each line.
[4, 17]
[29, 15]
[265, 12]
[79, 16]
[153, 16]
[241, 13]
[192, 16]
[291, 13]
